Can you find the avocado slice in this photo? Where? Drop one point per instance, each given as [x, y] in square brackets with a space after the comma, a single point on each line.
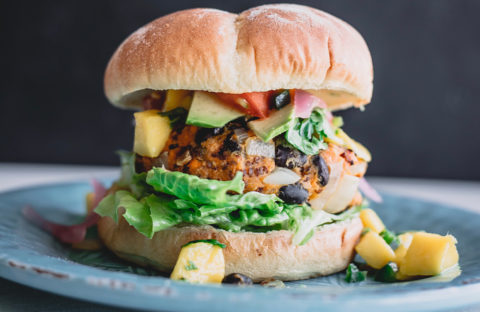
[277, 123]
[208, 111]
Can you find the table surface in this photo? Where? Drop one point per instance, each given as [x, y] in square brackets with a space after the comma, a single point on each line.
[15, 297]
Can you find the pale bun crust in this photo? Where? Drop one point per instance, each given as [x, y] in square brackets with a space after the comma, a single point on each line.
[257, 255]
[278, 46]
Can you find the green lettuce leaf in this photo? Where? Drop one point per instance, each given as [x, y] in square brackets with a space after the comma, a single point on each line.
[256, 200]
[305, 227]
[127, 165]
[193, 188]
[106, 207]
[129, 178]
[307, 134]
[160, 213]
[136, 213]
[161, 199]
[155, 213]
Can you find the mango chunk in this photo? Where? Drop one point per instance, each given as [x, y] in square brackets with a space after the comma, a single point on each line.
[371, 220]
[401, 251]
[200, 263]
[429, 254]
[177, 98]
[374, 250]
[151, 133]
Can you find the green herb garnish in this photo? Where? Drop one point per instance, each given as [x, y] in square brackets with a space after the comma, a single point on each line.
[177, 116]
[190, 266]
[389, 237]
[387, 274]
[208, 241]
[307, 134]
[365, 231]
[354, 275]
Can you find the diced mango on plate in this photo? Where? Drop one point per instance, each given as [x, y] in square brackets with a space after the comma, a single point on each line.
[405, 241]
[429, 254]
[200, 262]
[151, 133]
[371, 220]
[374, 250]
[418, 253]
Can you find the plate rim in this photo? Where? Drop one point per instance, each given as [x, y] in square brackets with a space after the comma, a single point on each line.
[22, 275]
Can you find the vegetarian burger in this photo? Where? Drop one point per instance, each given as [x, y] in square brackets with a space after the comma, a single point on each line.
[235, 140]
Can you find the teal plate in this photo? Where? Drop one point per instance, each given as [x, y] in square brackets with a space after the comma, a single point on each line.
[32, 257]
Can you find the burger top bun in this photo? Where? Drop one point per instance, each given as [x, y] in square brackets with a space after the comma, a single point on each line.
[270, 47]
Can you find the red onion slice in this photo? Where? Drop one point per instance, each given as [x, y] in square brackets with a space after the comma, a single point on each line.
[65, 233]
[369, 191]
[68, 233]
[305, 102]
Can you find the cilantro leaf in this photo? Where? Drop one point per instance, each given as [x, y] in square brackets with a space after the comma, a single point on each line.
[389, 237]
[307, 134]
[354, 275]
[177, 116]
[191, 266]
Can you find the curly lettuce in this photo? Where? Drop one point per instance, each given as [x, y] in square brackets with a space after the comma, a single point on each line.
[193, 188]
[161, 199]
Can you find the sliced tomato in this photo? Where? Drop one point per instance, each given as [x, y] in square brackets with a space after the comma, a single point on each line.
[252, 103]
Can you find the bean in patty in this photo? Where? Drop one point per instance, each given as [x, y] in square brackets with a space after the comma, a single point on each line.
[289, 158]
[323, 173]
[293, 194]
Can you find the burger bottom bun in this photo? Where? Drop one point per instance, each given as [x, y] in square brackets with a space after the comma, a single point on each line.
[258, 255]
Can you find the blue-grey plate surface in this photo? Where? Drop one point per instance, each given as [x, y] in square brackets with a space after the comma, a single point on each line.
[32, 257]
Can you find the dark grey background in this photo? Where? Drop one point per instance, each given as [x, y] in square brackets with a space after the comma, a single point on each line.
[424, 120]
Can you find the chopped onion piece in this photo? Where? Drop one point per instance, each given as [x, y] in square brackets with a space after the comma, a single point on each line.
[242, 135]
[369, 191]
[255, 146]
[335, 174]
[344, 194]
[162, 159]
[183, 159]
[281, 176]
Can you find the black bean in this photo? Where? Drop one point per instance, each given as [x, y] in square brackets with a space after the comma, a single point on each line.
[229, 144]
[323, 173]
[282, 99]
[238, 279]
[293, 194]
[205, 133]
[240, 122]
[289, 158]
